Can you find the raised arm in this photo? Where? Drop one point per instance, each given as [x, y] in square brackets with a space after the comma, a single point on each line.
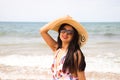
[44, 32]
[48, 39]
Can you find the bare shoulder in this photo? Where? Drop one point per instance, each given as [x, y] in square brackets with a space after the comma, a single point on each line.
[79, 52]
[77, 55]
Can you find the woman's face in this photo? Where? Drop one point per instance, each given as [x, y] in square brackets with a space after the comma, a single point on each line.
[66, 34]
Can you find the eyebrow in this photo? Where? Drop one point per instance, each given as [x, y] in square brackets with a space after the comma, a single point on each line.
[66, 29]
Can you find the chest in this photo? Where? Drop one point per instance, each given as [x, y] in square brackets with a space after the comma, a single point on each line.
[60, 58]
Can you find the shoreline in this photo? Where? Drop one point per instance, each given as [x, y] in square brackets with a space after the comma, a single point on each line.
[37, 73]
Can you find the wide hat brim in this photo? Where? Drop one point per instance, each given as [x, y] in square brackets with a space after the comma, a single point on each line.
[83, 35]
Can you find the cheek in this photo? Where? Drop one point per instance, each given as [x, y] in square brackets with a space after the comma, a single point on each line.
[71, 37]
[60, 36]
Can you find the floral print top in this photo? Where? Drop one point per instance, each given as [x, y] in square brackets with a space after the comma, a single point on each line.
[57, 71]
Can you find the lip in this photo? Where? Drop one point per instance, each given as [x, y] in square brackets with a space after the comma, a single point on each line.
[64, 37]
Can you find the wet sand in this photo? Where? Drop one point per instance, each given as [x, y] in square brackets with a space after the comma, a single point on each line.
[37, 73]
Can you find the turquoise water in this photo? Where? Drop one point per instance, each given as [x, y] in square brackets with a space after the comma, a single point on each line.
[30, 29]
[98, 31]
[20, 29]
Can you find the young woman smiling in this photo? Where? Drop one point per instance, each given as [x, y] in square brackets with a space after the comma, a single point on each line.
[69, 61]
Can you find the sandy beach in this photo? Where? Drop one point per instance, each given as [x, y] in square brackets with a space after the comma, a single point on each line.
[36, 73]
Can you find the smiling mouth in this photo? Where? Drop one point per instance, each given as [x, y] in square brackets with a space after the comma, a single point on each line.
[65, 37]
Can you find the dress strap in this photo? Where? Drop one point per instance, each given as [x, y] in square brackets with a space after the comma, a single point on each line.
[56, 53]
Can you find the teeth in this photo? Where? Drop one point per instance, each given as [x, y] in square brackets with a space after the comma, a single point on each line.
[65, 37]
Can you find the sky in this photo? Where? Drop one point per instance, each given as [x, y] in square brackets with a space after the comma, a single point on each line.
[47, 10]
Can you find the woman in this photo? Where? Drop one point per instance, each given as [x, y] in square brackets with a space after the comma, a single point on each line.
[69, 62]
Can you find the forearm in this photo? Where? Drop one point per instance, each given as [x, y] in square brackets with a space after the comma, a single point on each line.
[48, 39]
[45, 29]
[51, 25]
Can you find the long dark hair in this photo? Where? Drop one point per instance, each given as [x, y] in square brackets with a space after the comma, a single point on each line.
[73, 48]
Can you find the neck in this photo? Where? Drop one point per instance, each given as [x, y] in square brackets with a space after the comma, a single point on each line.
[65, 46]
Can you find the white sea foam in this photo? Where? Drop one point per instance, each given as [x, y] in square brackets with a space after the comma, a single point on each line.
[97, 64]
[18, 40]
[19, 60]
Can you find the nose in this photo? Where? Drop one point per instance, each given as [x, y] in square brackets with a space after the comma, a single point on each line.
[65, 33]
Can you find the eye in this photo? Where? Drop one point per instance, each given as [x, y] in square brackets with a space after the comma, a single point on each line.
[70, 32]
[63, 31]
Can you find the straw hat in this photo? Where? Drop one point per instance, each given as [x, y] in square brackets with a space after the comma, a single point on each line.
[83, 36]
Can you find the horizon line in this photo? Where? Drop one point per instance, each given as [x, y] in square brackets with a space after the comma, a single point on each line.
[49, 21]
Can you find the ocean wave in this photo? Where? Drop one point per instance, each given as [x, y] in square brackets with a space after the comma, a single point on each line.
[96, 64]
[111, 34]
[19, 40]
[20, 60]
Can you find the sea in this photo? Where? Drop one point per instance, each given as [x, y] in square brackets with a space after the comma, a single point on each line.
[24, 55]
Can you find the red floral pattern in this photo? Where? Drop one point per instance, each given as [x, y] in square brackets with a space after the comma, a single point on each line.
[57, 71]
